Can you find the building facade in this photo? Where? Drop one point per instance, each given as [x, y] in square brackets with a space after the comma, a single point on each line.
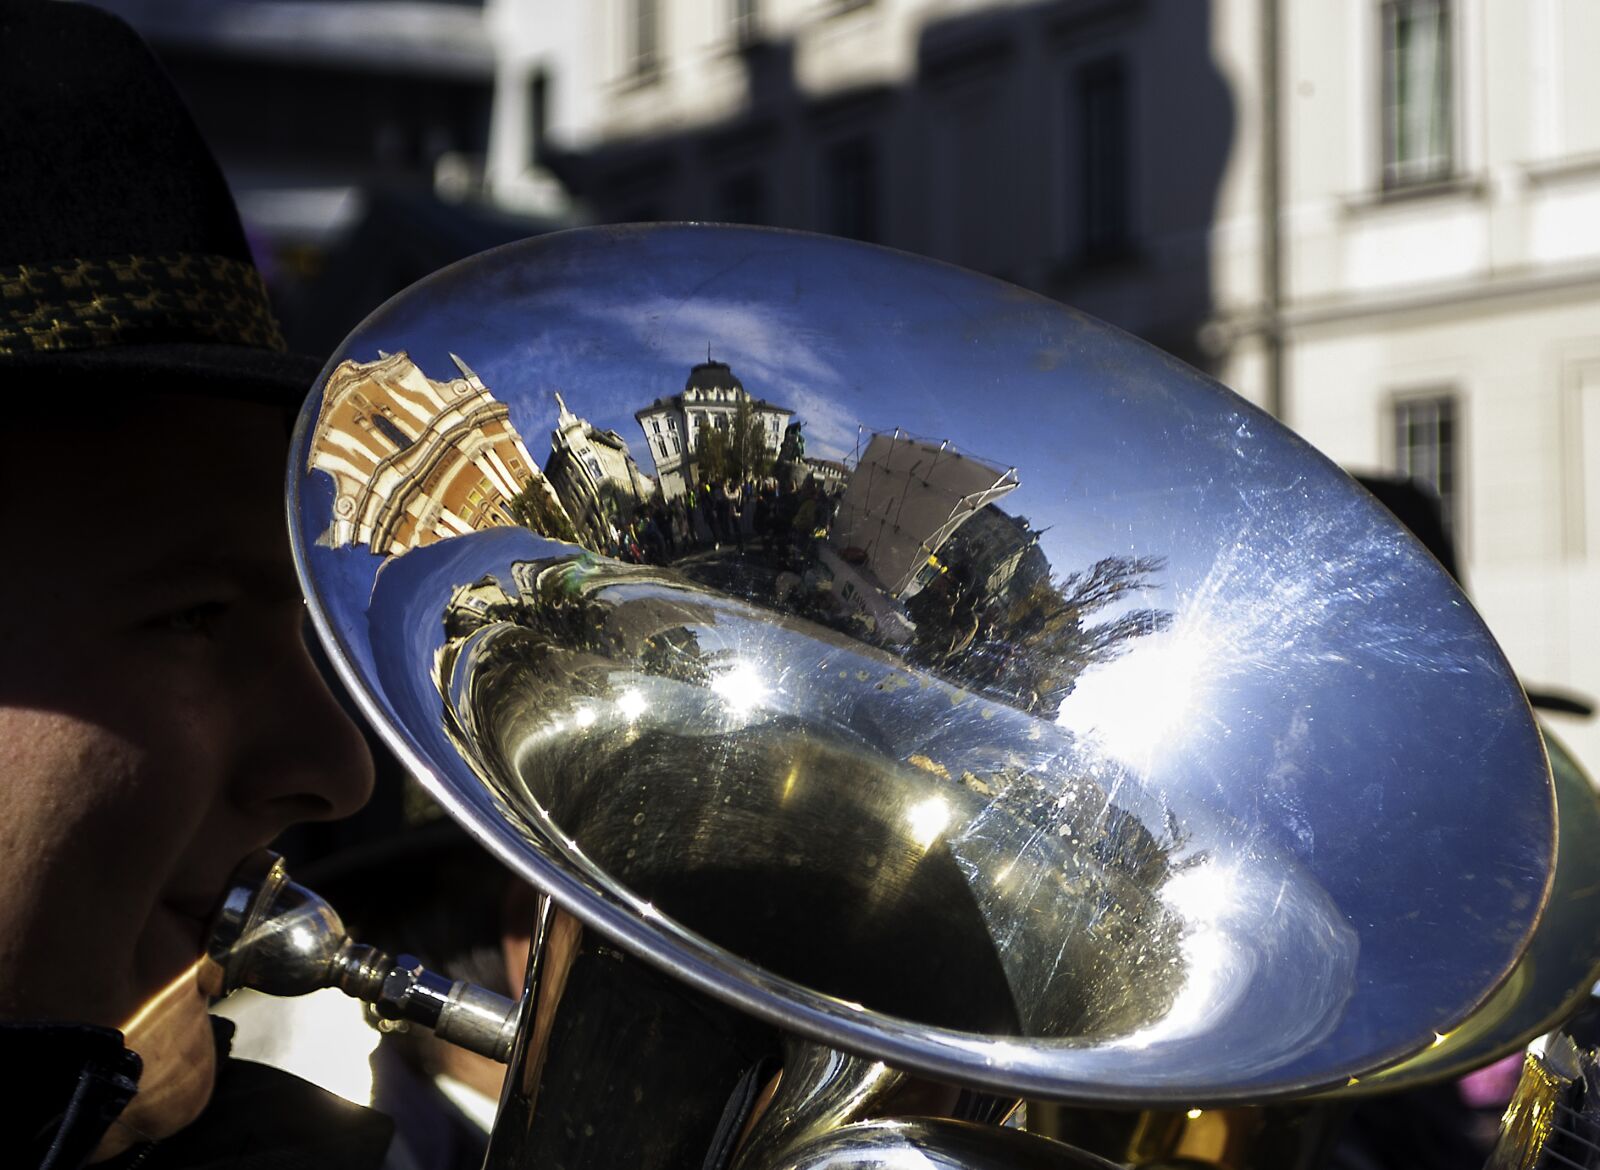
[960, 130]
[414, 460]
[714, 430]
[594, 474]
[1440, 315]
[1379, 220]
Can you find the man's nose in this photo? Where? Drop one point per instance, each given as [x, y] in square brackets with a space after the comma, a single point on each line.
[312, 762]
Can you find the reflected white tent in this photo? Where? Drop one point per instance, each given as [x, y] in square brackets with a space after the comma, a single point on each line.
[907, 497]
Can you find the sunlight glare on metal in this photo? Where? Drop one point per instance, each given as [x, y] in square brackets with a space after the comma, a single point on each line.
[1138, 705]
[740, 688]
[927, 820]
[1204, 893]
[1216, 973]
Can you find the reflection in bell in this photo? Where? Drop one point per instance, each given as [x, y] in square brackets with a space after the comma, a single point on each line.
[1119, 748]
[970, 871]
[1136, 706]
[765, 831]
[928, 820]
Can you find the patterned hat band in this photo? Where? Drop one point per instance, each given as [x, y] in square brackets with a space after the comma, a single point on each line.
[132, 300]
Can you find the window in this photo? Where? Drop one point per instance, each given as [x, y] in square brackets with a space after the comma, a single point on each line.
[538, 115]
[391, 431]
[644, 37]
[1425, 437]
[1104, 162]
[1418, 97]
[745, 17]
[850, 190]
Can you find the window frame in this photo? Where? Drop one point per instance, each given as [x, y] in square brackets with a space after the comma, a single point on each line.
[1448, 478]
[856, 213]
[641, 56]
[1083, 78]
[1394, 172]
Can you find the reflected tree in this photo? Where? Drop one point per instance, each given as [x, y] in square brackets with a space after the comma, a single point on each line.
[676, 653]
[534, 509]
[713, 462]
[1029, 644]
[748, 454]
[738, 452]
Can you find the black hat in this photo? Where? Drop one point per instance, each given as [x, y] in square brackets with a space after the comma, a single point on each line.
[122, 261]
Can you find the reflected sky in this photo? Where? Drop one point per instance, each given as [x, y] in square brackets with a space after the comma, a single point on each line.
[622, 325]
[1321, 687]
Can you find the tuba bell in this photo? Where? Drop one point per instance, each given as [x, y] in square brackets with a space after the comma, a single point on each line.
[934, 698]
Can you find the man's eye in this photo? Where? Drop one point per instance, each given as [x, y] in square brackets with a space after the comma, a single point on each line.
[198, 620]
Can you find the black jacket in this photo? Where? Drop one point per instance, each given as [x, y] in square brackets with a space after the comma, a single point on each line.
[68, 1082]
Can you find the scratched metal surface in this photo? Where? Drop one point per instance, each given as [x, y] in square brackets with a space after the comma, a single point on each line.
[1076, 731]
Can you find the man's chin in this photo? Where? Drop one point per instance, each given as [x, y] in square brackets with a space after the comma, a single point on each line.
[172, 1036]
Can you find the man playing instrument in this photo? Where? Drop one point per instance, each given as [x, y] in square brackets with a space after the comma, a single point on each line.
[160, 719]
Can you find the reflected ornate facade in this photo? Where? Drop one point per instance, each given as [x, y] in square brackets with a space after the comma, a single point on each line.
[678, 430]
[415, 460]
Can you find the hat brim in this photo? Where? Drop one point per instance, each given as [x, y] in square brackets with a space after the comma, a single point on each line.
[228, 372]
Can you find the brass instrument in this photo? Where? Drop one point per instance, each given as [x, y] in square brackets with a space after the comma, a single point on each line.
[1549, 985]
[1041, 720]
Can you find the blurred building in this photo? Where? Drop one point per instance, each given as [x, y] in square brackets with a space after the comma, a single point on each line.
[356, 137]
[1378, 219]
[1075, 148]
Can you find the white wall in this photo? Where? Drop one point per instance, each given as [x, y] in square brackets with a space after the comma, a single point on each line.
[1489, 287]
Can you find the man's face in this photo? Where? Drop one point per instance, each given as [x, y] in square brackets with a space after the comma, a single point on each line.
[159, 717]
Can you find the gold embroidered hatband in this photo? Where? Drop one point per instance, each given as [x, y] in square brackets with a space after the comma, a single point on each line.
[129, 300]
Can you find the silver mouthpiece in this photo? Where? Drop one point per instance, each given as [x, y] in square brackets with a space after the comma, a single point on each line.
[278, 937]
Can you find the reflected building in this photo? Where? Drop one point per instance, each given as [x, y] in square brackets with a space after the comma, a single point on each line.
[471, 607]
[595, 475]
[415, 460]
[712, 431]
[828, 474]
[997, 553]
